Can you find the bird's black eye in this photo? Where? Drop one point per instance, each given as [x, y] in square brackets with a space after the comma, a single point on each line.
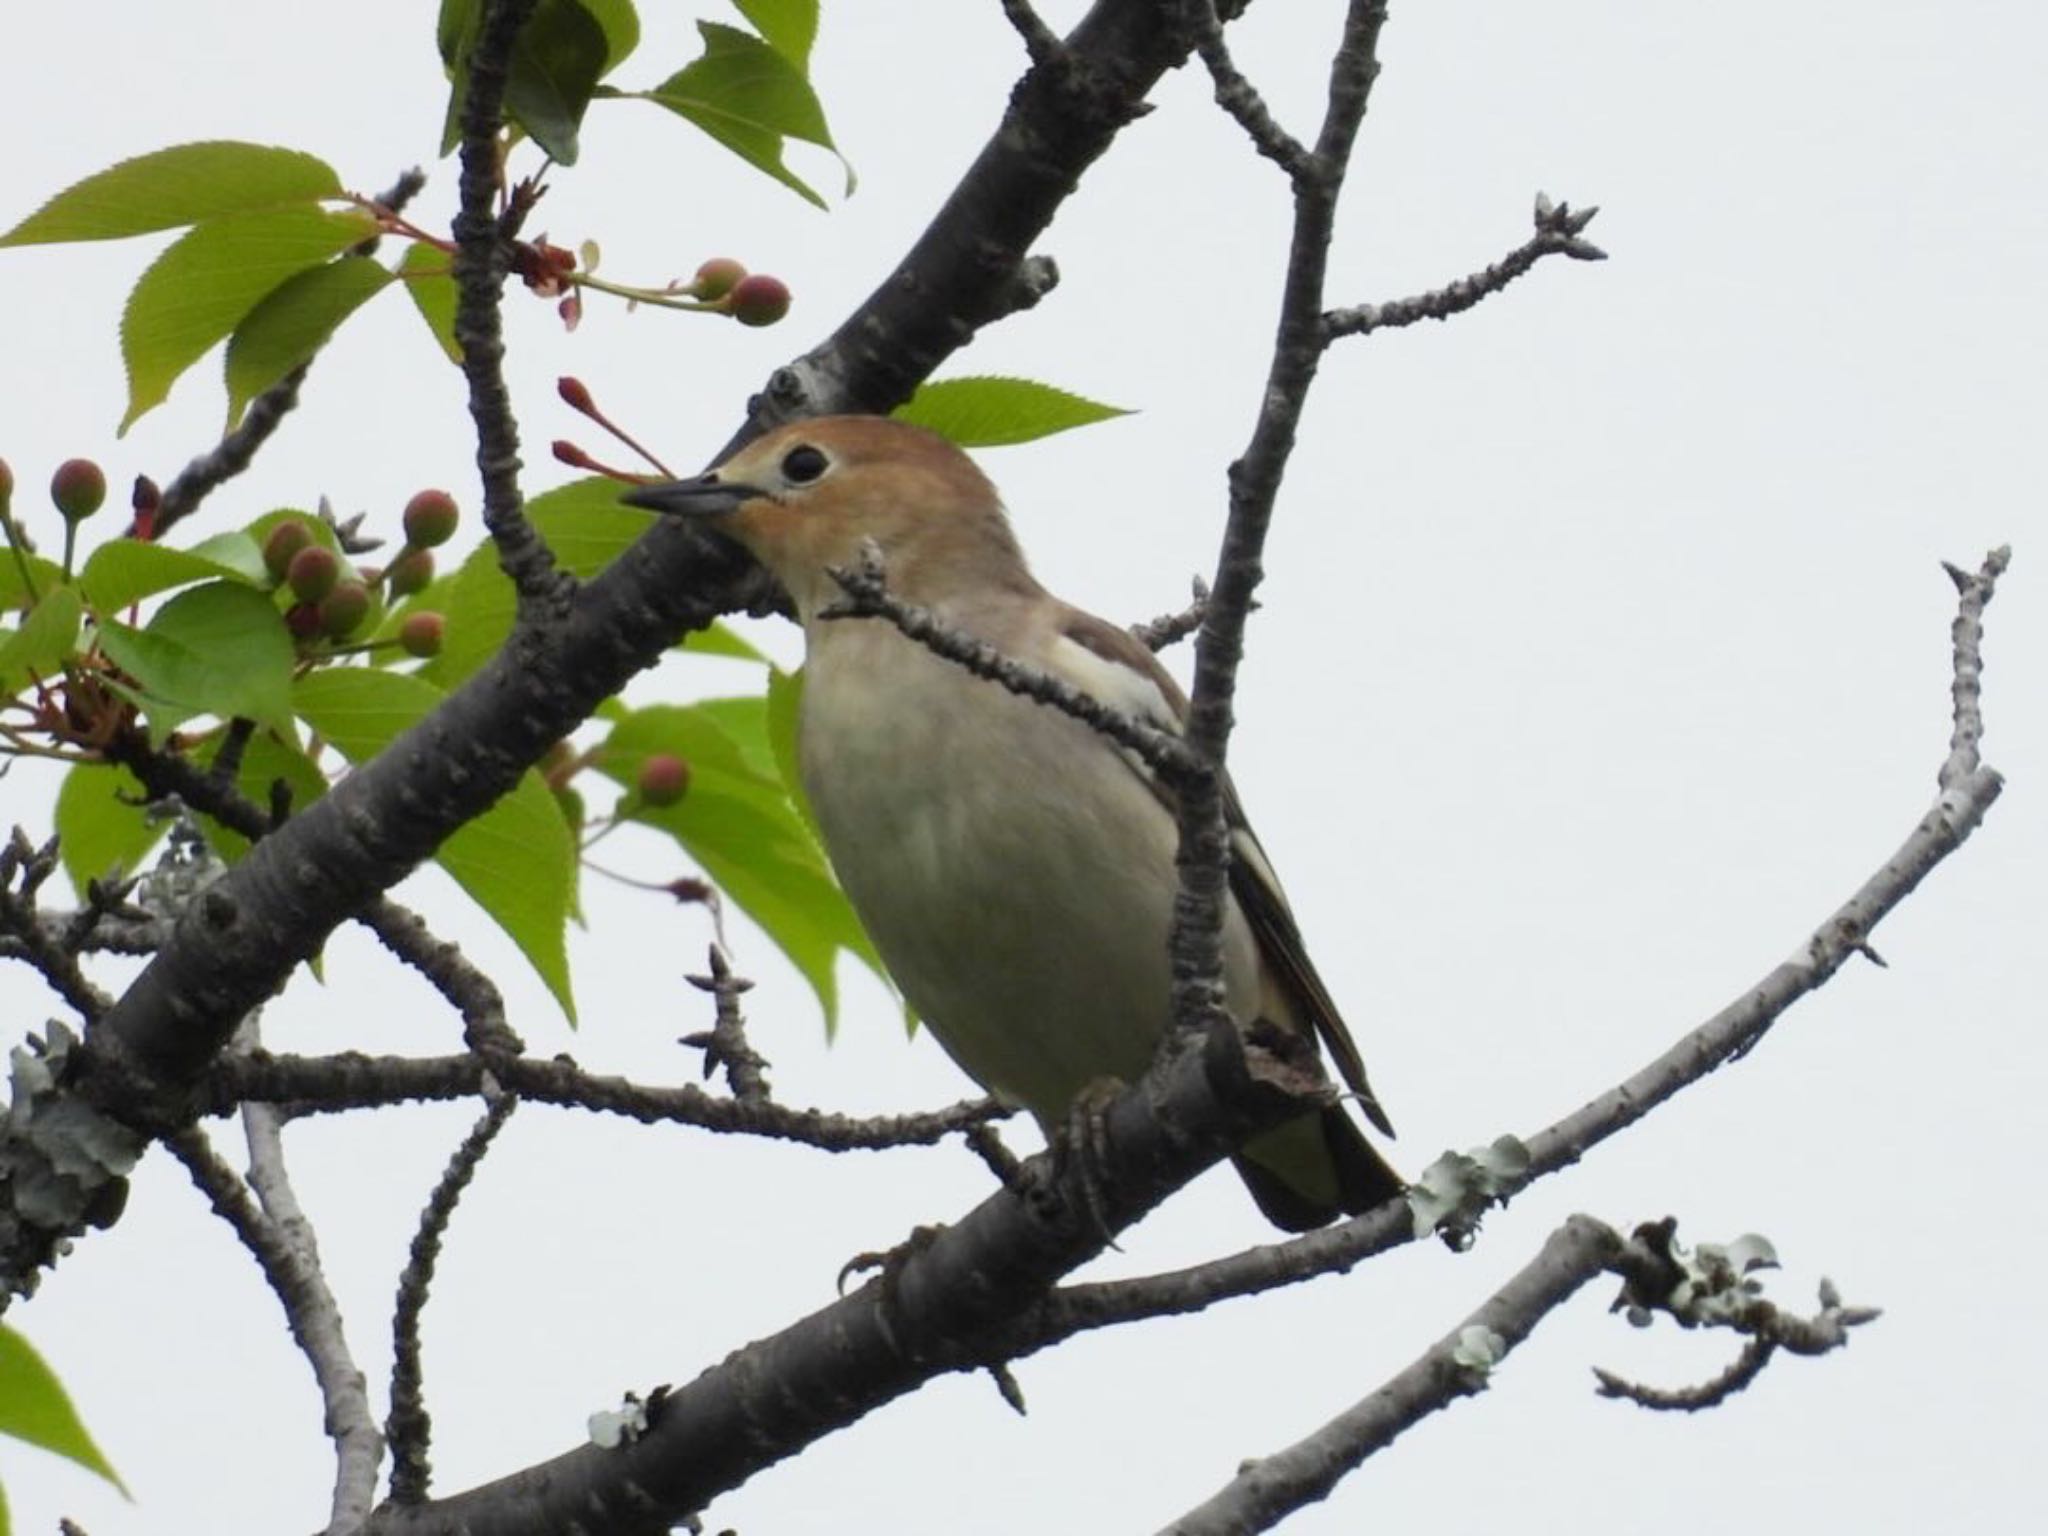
[803, 464]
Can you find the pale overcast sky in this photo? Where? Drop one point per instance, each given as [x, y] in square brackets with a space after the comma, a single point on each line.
[1605, 650]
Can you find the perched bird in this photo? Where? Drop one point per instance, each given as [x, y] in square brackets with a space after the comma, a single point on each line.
[1014, 866]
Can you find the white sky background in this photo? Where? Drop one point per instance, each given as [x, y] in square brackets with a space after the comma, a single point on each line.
[1605, 649]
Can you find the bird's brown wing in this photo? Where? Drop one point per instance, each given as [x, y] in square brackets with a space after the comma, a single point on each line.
[1152, 695]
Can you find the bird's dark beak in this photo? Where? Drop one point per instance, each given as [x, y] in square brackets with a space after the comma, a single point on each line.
[705, 496]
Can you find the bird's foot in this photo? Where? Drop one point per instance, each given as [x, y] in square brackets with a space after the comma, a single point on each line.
[889, 1261]
[1083, 1146]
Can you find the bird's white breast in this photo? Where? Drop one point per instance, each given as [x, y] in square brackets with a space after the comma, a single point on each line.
[1014, 871]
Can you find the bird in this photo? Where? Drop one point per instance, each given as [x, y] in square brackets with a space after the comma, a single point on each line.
[1014, 867]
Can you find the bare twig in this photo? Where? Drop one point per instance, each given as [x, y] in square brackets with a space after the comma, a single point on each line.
[1255, 478]
[1967, 637]
[1241, 99]
[1456, 1366]
[32, 939]
[316, 1084]
[409, 1426]
[466, 988]
[1041, 43]
[282, 1244]
[725, 1044]
[482, 259]
[1157, 634]
[1558, 230]
[868, 597]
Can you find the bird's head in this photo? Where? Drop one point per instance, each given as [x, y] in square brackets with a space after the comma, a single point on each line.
[803, 498]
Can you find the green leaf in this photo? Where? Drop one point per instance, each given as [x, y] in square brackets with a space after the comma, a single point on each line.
[991, 412]
[122, 571]
[790, 27]
[35, 1408]
[425, 270]
[220, 649]
[101, 824]
[186, 185]
[621, 24]
[587, 529]
[737, 823]
[785, 704]
[750, 98]
[44, 642]
[562, 51]
[17, 594]
[517, 861]
[292, 322]
[200, 289]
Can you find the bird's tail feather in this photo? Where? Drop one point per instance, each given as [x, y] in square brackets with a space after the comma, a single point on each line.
[1308, 1172]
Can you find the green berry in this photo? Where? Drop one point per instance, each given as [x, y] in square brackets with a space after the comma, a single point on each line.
[410, 572]
[716, 278]
[430, 519]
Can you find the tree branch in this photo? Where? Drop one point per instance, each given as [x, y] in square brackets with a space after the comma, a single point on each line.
[409, 1427]
[1271, 1487]
[1558, 229]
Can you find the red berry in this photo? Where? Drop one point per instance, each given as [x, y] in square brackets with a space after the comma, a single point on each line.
[312, 573]
[78, 488]
[284, 541]
[430, 519]
[716, 278]
[6, 484]
[575, 394]
[664, 779]
[303, 620]
[410, 572]
[421, 634]
[758, 299]
[343, 610]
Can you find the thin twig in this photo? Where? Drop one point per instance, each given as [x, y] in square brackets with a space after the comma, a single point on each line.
[1041, 43]
[34, 940]
[1457, 1365]
[409, 1427]
[466, 987]
[1241, 99]
[328, 1084]
[1557, 234]
[1966, 690]
[868, 597]
[1169, 628]
[725, 1044]
[291, 1268]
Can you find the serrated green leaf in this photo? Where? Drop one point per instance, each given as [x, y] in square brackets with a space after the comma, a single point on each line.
[989, 411]
[200, 289]
[292, 322]
[220, 649]
[587, 529]
[562, 51]
[739, 826]
[101, 824]
[517, 861]
[785, 704]
[44, 642]
[750, 98]
[123, 571]
[188, 184]
[429, 283]
[720, 640]
[790, 27]
[34, 1407]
